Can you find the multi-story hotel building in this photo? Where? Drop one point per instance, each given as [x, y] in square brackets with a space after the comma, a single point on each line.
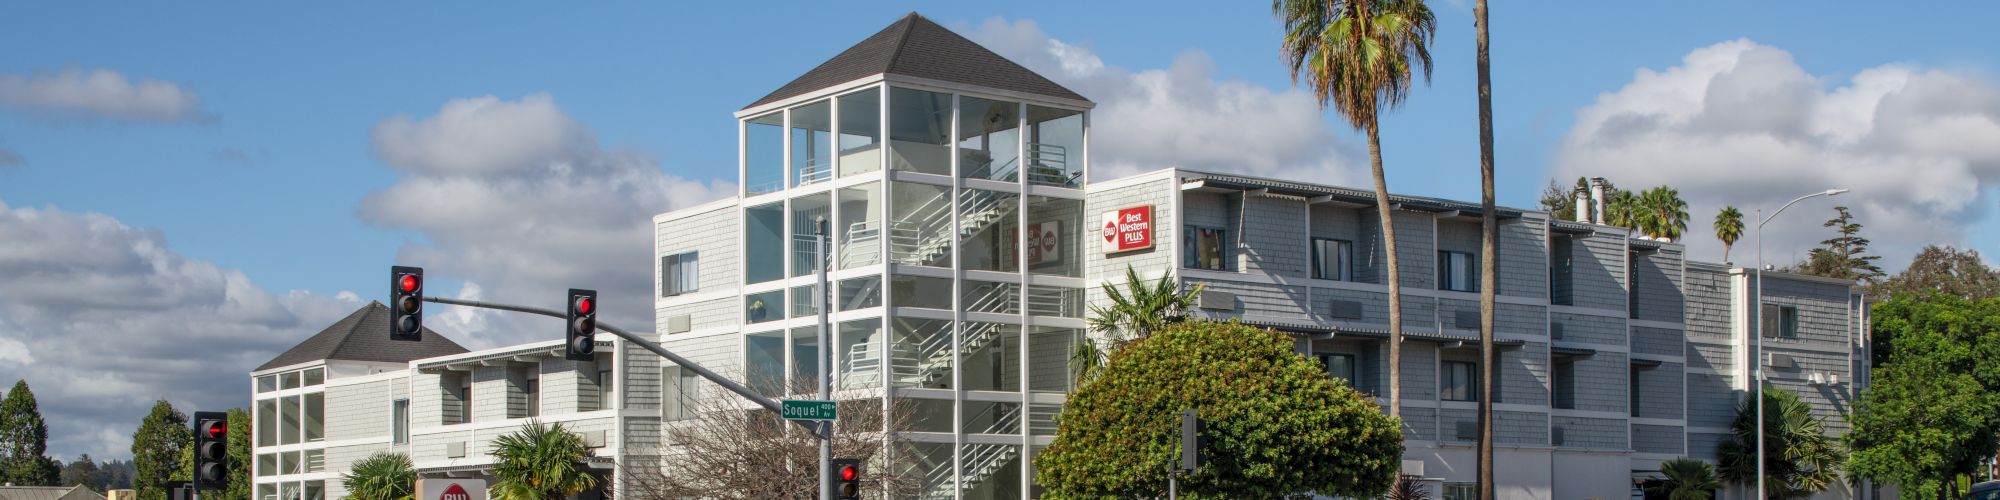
[967, 238]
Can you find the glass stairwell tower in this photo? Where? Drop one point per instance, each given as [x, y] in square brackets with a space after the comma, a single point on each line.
[953, 182]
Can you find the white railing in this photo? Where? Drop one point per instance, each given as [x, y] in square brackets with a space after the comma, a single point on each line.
[1058, 302]
[766, 187]
[981, 462]
[862, 244]
[1005, 172]
[919, 238]
[1000, 298]
[1049, 164]
[815, 170]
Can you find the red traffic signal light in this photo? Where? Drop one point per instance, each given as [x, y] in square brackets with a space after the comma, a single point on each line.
[406, 303]
[216, 430]
[583, 305]
[848, 486]
[581, 329]
[850, 473]
[211, 450]
[410, 283]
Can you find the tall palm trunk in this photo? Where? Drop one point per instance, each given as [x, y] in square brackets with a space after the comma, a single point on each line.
[1489, 231]
[1395, 270]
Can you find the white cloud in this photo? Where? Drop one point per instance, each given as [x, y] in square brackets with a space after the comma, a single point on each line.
[517, 200]
[1740, 123]
[100, 93]
[102, 319]
[1182, 115]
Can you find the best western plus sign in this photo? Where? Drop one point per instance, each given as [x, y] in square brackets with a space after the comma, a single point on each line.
[1128, 229]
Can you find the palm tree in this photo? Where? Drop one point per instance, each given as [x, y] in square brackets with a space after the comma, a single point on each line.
[1358, 56]
[1133, 314]
[1621, 208]
[538, 462]
[1662, 213]
[382, 476]
[1728, 228]
[1799, 459]
[1687, 479]
[1489, 226]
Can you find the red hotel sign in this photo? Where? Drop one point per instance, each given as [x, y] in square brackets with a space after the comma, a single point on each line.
[1128, 229]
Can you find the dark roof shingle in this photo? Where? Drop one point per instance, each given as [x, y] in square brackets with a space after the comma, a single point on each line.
[364, 336]
[915, 46]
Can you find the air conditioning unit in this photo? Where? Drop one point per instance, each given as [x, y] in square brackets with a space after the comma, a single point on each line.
[1779, 360]
[1216, 300]
[1413, 468]
[1832, 379]
[454, 449]
[1816, 378]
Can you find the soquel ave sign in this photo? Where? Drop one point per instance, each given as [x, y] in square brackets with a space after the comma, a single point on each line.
[808, 409]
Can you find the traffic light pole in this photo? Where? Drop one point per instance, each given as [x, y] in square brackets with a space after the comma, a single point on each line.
[825, 386]
[649, 345]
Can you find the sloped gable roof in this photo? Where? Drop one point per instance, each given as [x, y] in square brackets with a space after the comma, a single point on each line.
[364, 336]
[77, 492]
[916, 46]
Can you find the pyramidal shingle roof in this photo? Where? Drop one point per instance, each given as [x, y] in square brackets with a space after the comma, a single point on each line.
[364, 336]
[915, 46]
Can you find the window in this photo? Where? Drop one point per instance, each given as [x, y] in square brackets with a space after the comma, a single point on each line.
[679, 273]
[315, 460]
[680, 396]
[288, 418]
[1632, 391]
[289, 380]
[399, 422]
[267, 424]
[1780, 321]
[1459, 382]
[1457, 272]
[267, 383]
[1339, 367]
[315, 416]
[1563, 377]
[531, 392]
[315, 376]
[465, 400]
[1206, 248]
[1332, 259]
[604, 389]
[267, 465]
[1460, 491]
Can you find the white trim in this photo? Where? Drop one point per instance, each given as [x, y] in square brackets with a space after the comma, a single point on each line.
[480, 425]
[686, 212]
[1047, 101]
[286, 368]
[364, 379]
[828, 91]
[687, 299]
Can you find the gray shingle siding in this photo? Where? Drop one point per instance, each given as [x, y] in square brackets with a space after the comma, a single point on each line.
[1601, 382]
[1271, 240]
[1657, 439]
[641, 379]
[1660, 341]
[1657, 275]
[1591, 329]
[1374, 305]
[1420, 424]
[1707, 311]
[1523, 260]
[1706, 356]
[1596, 273]
[358, 411]
[1521, 428]
[1711, 401]
[1660, 391]
[1262, 299]
[1591, 433]
[714, 235]
[1418, 251]
[1524, 374]
[1705, 446]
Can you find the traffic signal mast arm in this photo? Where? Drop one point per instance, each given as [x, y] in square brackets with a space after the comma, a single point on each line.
[739, 389]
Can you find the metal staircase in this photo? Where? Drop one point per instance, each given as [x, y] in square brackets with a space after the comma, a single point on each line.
[981, 461]
[921, 237]
[927, 363]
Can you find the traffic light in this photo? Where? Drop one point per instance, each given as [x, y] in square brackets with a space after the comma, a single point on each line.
[211, 450]
[1193, 444]
[406, 303]
[846, 479]
[582, 325]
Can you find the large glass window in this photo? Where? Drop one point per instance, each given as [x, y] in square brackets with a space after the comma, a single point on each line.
[804, 304]
[805, 356]
[812, 143]
[766, 306]
[991, 355]
[764, 243]
[267, 422]
[1054, 236]
[985, 417]
[288, 420]
[860, 228]
[289, 380]
[1779, 321]
[922, 354]
[1206, 248]
[681, 393]
[919, 291]
[267, 465]
[1332, 259]
[991, 297]
[1055, 301]
[680, 273]
[860, 354]
[315, 416]
[315, 460]
[920, 131]
[1055, 147]
[861, 132]
[1457, 272]
[1339, 367]
[860, 293]
[806, 213]
[920, 231]
[989, 222]
[267, 383]
[315, 376]
[989, 139]
[764, 362]
[1459, 382]
[764, 154]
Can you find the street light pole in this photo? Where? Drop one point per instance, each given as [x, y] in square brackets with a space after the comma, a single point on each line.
[825, 386]
[1757, 337]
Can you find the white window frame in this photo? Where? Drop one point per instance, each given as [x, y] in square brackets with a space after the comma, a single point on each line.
[680, 273]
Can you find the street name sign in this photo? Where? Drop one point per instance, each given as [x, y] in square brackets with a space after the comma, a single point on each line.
[808, 409]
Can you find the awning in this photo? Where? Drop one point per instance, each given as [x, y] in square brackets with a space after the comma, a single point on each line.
[1568, 227]
[1330, 193]
[1649, 363]
[1571, 351]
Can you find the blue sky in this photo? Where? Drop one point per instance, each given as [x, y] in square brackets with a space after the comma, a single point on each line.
[268, 175]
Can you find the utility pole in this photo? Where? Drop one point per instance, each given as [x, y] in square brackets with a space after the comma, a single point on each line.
[825, 386]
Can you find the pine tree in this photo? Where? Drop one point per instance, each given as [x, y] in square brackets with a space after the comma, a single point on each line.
[1844, 256]
[84, 472]
[24, 438]
[156, 450]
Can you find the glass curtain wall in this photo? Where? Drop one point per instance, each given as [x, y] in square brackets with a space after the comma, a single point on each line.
[861, 132]
[764, 243]
[989, 223]
[921, 232]
[860, 354]
[920, 131]
[1055, 147]
[1055, 245]
[989, 139]
[860, 225]
[764, 154]
[806, 212]
[812, 143]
